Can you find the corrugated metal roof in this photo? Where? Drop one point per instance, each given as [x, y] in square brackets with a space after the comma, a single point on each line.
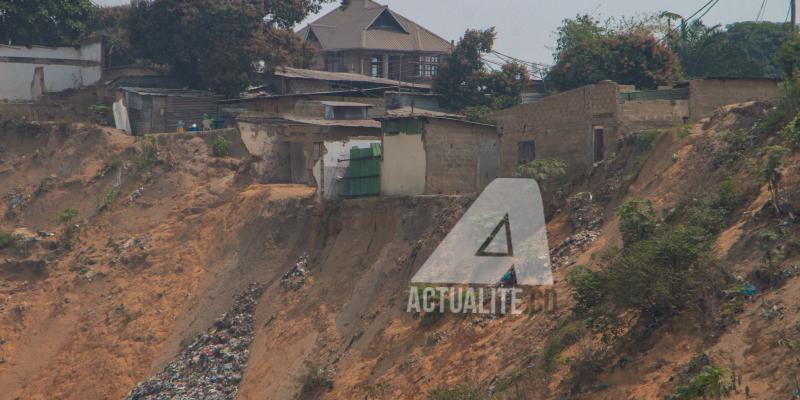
[405, 112]
[351, 28]
[344, 104]
[351, 123]
[299, 73]
[168, 92]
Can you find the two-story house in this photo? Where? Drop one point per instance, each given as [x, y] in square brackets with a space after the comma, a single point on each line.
[368, 38]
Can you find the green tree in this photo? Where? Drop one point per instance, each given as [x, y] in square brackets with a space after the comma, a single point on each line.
[43, 22]
[463, 80]
[218, 44]
[788, 56]
[742, 49]
[636, 220]
[771, 172]
[588, 52]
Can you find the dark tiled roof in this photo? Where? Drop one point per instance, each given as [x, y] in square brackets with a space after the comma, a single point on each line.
[352, 28]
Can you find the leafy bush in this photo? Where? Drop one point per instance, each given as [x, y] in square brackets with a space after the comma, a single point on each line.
[481, 114]
[703, 213]
[7, 240]
[710, 383]
[588, 288]
[221, 147]
[791, 132]
[543, 170]
[567, 335]
[655, 275]
[148, 154]
[315, 378]
[636, 220]
[645, 143]
[771, 171]
[67, 215]
[734, 145]
[726, 199]
[100, 114]
[454, 393]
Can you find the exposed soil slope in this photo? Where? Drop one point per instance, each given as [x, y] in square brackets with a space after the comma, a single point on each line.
[182, 234]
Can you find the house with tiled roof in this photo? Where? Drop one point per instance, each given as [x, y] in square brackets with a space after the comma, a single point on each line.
[368, 38]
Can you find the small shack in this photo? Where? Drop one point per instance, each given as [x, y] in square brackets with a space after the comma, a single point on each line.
[428, 152]
[332, 145]
[156, 110]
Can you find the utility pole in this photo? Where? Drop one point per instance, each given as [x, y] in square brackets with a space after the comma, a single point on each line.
[793, 6]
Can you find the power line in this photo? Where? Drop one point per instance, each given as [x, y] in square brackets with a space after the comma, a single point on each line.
[761, 10]
[685, 21]
[519, 59]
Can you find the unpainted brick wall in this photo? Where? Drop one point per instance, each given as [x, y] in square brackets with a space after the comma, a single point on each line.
[561, 125]
[706, 95]
[452, 150]
[639, 115]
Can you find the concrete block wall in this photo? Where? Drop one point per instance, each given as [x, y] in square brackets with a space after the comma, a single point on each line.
[561, 126]
[452, 150]
[637, 115]
[706, 95]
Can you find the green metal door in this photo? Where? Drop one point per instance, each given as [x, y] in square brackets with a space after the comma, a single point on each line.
[363, 177]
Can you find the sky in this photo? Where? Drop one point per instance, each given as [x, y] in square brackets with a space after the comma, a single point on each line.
[525, 27]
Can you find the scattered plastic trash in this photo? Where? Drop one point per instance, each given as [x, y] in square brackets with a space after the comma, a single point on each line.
[747, 290]
[296, 277]
[211, 367]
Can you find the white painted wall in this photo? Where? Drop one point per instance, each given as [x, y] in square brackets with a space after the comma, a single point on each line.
[335, 151]
[403, 166]
[16, 77]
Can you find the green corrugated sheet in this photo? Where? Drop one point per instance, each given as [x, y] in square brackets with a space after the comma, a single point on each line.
[405, 125]
[363, 177]
[667, 94]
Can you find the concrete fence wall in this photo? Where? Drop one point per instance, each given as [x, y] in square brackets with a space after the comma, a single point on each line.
[28, 72]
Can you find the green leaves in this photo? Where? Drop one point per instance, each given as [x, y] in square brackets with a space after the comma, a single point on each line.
[588, 52]
[218, 44]
[44, 22]
[463, 80]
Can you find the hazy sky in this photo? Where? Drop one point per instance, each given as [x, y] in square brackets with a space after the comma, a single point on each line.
[525, 27]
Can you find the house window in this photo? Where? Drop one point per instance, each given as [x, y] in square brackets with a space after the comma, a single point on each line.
[333, 63]
[376, 66]
[396, 67]
[526, 152]
[427, 66]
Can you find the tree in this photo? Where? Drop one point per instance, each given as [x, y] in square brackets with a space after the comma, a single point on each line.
[220, 45]
[463, 80]
[588, 52]
[742, 49]
[43, 22]
[788, 56]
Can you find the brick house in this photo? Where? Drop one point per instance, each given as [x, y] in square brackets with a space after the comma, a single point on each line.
[368, 38]
[582, 126]
[430, 152]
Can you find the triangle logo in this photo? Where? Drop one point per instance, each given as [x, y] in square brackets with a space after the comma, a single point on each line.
[498, 250]
[503, 229]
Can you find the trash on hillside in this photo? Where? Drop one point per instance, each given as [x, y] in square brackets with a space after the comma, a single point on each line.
[211, 367]
[296, 277]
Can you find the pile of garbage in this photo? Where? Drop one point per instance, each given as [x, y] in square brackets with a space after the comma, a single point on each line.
[565, 253]
[584, 211]
[295, 278]
[211, 367]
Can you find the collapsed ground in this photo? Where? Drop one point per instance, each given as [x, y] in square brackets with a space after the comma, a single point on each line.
[127, 250]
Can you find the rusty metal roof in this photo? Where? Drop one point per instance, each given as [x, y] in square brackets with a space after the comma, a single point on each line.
[344, 104]
[354, 27]
[299, 73]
